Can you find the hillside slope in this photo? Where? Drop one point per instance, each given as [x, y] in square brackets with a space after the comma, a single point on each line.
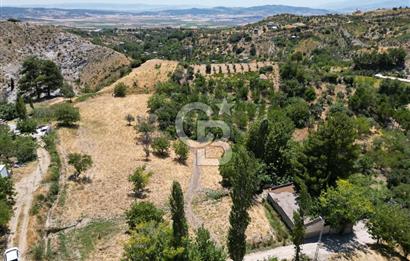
[81, 62]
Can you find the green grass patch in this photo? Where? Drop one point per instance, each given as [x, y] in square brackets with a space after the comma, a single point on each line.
[366, 80]
[78, 244]
[85, 97]
[281, 231]
[216, 194]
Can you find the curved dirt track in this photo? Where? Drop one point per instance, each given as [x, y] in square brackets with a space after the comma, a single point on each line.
[25, 189]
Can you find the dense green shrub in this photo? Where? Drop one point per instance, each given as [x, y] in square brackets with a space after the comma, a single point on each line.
[161, 145]
[27, 125]
[25, 149]
[8, 111]
[120, 90]
[66, 114]
[143, 212]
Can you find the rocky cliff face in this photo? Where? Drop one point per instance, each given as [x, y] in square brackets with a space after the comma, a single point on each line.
[81, 62]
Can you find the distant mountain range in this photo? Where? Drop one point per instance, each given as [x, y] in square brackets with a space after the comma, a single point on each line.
[131, 15]
[192, 17]
[262, 11]
[364, 5]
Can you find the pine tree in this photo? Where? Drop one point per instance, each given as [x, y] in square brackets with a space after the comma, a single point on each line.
[330, 153]
[243, 187]
[179, 223]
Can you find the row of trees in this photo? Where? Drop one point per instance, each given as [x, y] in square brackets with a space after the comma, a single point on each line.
[393, 58]
[160, 144]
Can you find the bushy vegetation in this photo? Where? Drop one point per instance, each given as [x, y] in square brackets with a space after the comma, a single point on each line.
[152, 238]
[22, 148]
[66, 114]
[392, 58]
[120, 90]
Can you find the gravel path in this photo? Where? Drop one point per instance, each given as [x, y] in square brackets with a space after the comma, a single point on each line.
[194, 184]
[25, 189]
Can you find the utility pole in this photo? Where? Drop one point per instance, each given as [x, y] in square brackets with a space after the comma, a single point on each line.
[320, 240]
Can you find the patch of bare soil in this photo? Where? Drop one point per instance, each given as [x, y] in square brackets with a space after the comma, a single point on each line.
[144, 78]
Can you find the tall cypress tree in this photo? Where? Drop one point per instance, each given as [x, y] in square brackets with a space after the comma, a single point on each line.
[179, 223]
[243, 187]
[298, 233]
[21, 108]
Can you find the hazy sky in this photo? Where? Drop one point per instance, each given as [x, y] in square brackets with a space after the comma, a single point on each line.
[315, 3]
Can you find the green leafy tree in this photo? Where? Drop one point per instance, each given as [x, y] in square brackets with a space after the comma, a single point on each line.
[50, 77]
[145, 128]
[67, 91]
[120, 90]
[21, 108]
[25, 149]
[5, 215]
[151, 241]
[243, 187]
[160, 145]
[140, 179]
[7, 193]
[7, 145]
[8, 111]
[40, 77]
[298, 111]
[141, 212]
[30, 72]
[204, 249]
[391, 224]
[329, 153]
[364, 100]
[181, 150]
[27, 125]
[345, 204]
[276, 147]
[179, 223]
[298, 233]
[66, 114]
[80, 162]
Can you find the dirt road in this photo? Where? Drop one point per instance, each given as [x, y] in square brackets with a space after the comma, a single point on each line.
[331, 245]
[193, 220]
[25, 189]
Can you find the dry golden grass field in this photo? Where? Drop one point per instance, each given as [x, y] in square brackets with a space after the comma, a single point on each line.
[103, 133]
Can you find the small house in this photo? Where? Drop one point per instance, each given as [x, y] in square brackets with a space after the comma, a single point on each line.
[284, 200]
[4, 173]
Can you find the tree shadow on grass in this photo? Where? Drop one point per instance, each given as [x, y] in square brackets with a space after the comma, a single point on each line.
[80, 180]
[182, 162]
[161, 155]
[68, 126]
[387, 251]
[143, 194]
